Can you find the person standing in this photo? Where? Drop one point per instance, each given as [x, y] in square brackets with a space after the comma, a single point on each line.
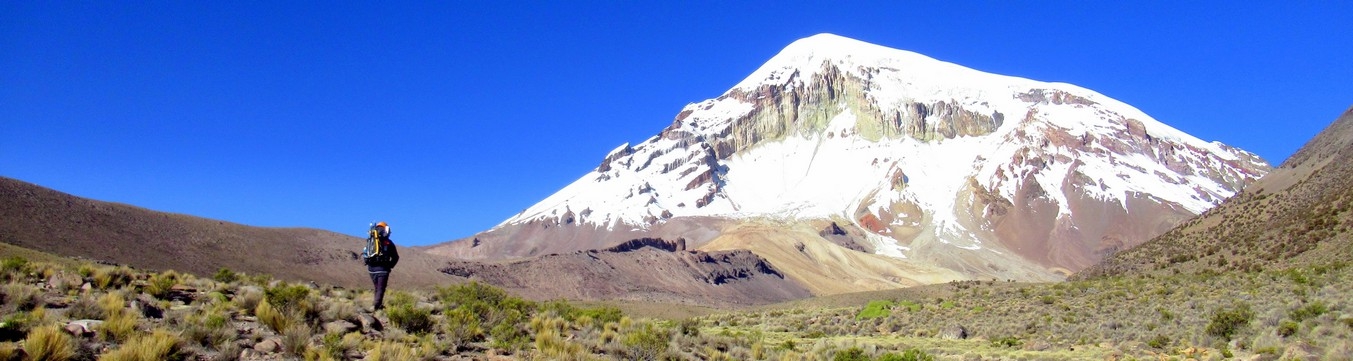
[380, 257]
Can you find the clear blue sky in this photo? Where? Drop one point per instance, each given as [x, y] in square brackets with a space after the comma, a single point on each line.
[446, 119]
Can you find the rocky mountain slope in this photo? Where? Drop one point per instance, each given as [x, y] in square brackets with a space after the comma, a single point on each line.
[33, 218]
[645, 270]
[851, 166]
[1298, 215]
[51, 221]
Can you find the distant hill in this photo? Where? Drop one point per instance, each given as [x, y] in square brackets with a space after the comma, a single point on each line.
[47, 220]
[1297, 215]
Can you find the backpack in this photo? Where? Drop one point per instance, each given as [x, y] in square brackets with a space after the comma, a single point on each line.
[380, 250]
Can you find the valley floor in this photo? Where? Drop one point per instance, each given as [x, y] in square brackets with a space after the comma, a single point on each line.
[74, 310]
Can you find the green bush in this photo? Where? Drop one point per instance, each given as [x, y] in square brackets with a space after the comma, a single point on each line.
[1225, 323]
[1311, 310]
[646, 341]
[13, 267]
[1287, 328]
[461, 328]
[602, 315]
[1159, 342]
[875, 309]
[411, 318]
[851, 354]
[1007, 341]
[225, 275]
[908, 355]
[287, 298]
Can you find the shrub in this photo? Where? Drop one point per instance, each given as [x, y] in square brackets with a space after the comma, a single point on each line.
[208, 327]
[1159, 342]
[910, 354]
[21, 297]
[689, 327]
[851, 354]
[462, 327]
[13, 268]
[601, 314]
[161, 284]
[1225, 323]
[112, 277]
[336, 345]
[392, 351]
[1311, 310]
[295, 339]
[158, 345]
[10, 352]
[1007, 341]
[274, 319]
[85, 308]
[112, 304]
[552, 346]
[508, 334]
[337, 309]
[49, 343]
[248, 298]
[410, 318]
[1287, 328]
[290, 299]
[646, 341]
[875, 309]
[225, 275]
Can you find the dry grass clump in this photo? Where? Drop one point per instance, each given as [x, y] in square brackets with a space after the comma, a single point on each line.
[49, 343]
[157, 345]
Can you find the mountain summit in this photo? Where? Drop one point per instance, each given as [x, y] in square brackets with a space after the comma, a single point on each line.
[853, 166]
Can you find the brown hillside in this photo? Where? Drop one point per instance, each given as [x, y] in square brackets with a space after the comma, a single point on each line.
[1297, 215]
[43, 219]
[644, 270]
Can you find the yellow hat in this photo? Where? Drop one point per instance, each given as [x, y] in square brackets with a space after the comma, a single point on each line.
[382, 224]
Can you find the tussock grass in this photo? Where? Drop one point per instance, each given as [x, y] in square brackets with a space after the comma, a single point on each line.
[118, 327]
[157, 345]
[49, 343]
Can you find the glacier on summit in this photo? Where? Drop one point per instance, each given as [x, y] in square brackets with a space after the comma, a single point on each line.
[921, 160]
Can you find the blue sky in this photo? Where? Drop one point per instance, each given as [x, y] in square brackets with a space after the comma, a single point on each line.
[445, 119]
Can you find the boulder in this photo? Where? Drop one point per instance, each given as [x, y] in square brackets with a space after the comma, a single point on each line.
[954, 332]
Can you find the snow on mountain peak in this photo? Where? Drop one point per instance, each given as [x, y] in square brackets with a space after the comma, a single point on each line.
[914, 150]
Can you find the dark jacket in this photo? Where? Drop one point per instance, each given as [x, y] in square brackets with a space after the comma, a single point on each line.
[384, 262]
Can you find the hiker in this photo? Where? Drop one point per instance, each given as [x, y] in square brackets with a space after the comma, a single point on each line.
[380, 257]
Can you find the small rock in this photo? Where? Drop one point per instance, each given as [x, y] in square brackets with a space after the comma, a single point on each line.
[83, 327]
[340, 327]
[268, 345]
[369, 323]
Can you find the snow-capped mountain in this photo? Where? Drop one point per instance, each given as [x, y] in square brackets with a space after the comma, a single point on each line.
[924, 165]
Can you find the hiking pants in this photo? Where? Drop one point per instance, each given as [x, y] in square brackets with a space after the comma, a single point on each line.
[379, 278]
